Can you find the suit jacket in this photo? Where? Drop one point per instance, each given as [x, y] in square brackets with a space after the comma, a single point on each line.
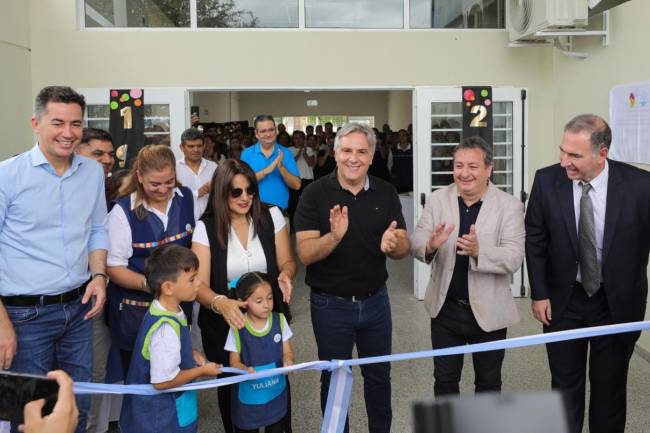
[500, 231]
[552, 240]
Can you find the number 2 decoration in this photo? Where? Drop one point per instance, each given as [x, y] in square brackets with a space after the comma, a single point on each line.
[477, 112]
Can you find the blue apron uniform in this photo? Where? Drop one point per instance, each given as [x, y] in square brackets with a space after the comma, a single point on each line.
[174, 412]
[260, 402]
[126, 307]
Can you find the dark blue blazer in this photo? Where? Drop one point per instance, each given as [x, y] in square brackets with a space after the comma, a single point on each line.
[552, 240]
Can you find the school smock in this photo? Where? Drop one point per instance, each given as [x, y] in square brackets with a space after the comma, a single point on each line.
[262, 402]
[173, 412]
[126, 307]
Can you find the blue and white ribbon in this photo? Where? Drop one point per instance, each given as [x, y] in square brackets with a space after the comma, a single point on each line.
[340, 391]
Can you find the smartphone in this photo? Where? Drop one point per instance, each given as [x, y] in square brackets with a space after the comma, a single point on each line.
[18, 389]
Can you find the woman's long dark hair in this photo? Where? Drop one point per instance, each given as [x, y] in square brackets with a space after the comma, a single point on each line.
[220, 192]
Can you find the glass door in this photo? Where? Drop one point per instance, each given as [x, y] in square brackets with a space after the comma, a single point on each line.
[438, 129]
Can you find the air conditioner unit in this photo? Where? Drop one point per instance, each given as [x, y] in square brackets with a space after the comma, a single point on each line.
[527, 17]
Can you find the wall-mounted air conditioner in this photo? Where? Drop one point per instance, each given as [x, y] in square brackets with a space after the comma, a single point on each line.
[527, 17]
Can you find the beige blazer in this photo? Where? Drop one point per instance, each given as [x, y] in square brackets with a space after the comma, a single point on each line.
[500, 231]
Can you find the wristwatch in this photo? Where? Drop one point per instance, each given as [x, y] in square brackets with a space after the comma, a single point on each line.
[100, 274]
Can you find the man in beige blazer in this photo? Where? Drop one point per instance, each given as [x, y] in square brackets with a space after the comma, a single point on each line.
[472, 233]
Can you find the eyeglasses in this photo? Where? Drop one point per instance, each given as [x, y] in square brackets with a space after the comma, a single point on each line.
[266, 131]
[237, 192]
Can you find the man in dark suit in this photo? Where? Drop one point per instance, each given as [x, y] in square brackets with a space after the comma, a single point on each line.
[587, 245]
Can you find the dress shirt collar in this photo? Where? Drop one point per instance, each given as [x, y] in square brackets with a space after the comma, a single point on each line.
[597, 182]
[204, 162]
[333, 181]
[177, 191]
[38, 158]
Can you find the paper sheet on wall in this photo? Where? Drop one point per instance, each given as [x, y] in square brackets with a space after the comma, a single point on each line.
[629, 115]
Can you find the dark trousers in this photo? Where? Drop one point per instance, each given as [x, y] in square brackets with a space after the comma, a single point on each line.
[456, 326]
[338, 325]
[608, 357]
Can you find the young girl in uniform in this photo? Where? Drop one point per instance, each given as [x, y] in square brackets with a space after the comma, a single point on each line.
[262, 344]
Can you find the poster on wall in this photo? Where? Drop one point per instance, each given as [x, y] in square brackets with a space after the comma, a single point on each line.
[477, 112]
[629, 118]
[126, 124]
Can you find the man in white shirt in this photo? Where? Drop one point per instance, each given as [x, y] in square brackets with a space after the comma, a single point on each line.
[194, 171]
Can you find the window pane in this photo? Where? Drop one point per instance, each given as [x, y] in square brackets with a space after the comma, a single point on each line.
[156, 121]
[357, 14]
[247, 13]
[97, 111]
[465, 14]
[441, 180]
[156, 110]
[137, 13]
[97, 124]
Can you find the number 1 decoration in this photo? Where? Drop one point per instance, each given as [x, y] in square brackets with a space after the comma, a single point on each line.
[477, 112]
[126, 124]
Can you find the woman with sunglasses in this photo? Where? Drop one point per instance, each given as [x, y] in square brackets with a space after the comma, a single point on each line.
[236, 235]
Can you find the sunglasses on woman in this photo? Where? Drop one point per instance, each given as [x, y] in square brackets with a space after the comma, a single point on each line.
[237, 192]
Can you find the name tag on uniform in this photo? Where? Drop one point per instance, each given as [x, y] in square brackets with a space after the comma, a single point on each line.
[262, 391]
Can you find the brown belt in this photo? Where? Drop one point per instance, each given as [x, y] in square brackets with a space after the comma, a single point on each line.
[135, 303]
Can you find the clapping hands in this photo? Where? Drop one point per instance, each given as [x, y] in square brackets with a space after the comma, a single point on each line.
[439, 236]
[338, 222]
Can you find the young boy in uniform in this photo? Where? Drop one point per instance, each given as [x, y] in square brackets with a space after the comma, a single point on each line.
[163, 354]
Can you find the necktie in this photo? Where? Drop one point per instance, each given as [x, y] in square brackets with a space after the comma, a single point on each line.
[587, 243]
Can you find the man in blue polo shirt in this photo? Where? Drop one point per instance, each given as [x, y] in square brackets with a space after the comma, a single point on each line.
[272, 163]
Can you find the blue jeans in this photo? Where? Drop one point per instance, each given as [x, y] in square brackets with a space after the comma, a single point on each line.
[338, 325]
[55, 337]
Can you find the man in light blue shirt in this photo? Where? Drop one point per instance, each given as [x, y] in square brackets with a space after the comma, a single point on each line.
[53, 246]
[273, 164]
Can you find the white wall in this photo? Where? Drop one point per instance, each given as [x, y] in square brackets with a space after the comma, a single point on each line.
[115, 58]
[400, 109]
[372, 103]
[393, 107]
[15, 78]
[217, 106]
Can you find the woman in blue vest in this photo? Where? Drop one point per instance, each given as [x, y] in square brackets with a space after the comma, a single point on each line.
[237, 235]
[154, 211]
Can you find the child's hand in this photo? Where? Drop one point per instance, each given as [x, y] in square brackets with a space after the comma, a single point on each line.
[211, 369]
[198, 358]
[288, 362]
